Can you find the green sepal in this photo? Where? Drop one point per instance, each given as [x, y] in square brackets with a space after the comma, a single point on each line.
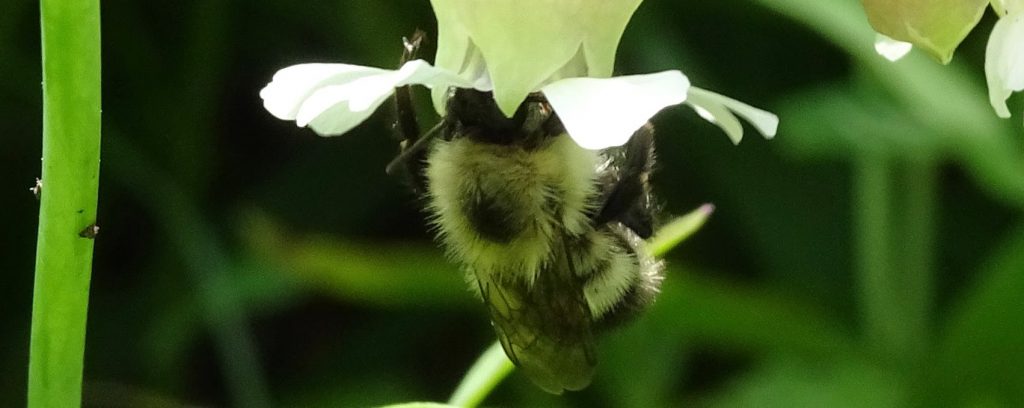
[936, 26]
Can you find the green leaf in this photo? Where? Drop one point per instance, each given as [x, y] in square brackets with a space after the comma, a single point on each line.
[936, 26]
[387, 275]
[981, 356]
[745, 317]
[795, 382]
[644, 363]
[681, 228]
[957, 111]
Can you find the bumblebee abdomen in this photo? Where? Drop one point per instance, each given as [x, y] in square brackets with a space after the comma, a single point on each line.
[623, 277]
[499, 209]
[491, 219]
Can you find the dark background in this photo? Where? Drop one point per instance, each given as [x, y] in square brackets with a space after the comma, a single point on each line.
[246, 262]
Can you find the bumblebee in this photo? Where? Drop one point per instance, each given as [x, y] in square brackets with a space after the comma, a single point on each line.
[551, 235]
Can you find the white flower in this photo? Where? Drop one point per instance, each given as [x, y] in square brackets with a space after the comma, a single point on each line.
[334, 98]
[1003, 7]
[564, 49]
[1004, 56]
[488, 42]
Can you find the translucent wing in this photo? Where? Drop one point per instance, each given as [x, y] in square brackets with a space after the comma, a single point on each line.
[545, 328]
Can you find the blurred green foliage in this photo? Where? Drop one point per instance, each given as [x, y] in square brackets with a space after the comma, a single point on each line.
[871, 255]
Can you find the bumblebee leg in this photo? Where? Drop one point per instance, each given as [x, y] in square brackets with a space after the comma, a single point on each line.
[406, 127]
[629, 200]
[646, 273]
[409, 163]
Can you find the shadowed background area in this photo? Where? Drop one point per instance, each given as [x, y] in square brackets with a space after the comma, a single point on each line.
[871, 255]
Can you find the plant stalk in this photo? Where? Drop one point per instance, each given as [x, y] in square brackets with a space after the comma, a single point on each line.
[895, 214]
[70, 177]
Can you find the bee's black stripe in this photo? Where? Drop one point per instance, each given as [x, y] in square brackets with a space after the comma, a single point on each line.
[643, 284]
[492, 219]
[629, 200]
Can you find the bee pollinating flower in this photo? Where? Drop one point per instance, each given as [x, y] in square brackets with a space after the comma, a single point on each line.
[537, 177]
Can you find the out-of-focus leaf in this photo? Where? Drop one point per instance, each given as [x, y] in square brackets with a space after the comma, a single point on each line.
[942, 99]
[730, 315]
[649, 362]
[936, 26]
[340, 390]
[833, 121]
[793, 382]
[116, 394]
[379, 274]
[206, 262]
[175, 327]
[982, 355]
[420, 405]
[650, 354]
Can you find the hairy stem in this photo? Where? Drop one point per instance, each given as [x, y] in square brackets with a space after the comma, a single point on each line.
[70, 174]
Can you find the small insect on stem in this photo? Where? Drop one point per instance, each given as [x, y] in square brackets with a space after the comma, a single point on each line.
[37, 190]
[90, 232]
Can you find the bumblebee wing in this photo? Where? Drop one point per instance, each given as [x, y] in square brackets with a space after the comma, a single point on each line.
[545, 328]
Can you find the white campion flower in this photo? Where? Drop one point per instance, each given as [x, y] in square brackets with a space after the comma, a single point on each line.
[564, 49]
[1004, 56]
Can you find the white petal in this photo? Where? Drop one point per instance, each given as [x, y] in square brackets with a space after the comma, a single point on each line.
[604, 112]
[892, 50]
[1004, 7]
[718, 109]
[473, 69]
[338, 118]
[291, 86]
[1004, 61]
[335, 105]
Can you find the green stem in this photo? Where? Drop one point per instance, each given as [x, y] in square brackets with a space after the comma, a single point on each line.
[874, 268]
[489, 370]
[493, 366]
[917, 229]
[70, 173]
[894, 240]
